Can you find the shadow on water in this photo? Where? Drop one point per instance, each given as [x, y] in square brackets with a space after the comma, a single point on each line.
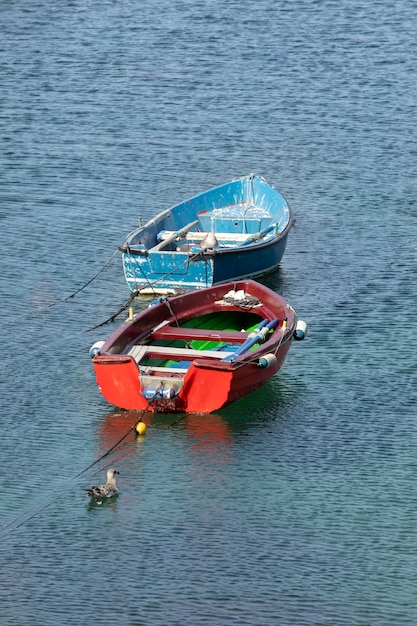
[272, 401]
[277, 281]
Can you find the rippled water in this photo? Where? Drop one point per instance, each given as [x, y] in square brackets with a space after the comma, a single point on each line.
[298, 504]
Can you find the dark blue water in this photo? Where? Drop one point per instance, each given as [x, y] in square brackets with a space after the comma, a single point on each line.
[297, 505]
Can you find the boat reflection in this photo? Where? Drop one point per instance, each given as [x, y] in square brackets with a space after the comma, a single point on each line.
[207, 434]
[116, 426]
[206, 431]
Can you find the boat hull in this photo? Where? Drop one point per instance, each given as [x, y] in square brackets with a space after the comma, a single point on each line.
[250, 219]
[205, 389]
[164, 361]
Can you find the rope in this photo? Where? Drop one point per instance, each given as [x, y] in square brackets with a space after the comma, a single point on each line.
[134, 294]
[110, 450]
[133, 271]
[163, 276]
[168, 305]
[88, 282]
[177, 421]
[282, 337]
[27, 515]
[113, 317]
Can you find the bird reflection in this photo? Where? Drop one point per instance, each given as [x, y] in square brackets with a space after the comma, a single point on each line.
[109, 504]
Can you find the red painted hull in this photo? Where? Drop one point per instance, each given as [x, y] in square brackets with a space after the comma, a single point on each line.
[208, 383]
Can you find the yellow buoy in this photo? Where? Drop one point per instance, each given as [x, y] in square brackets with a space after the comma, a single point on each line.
[140, 428]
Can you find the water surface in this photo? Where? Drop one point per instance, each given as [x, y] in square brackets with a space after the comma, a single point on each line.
[296, 505]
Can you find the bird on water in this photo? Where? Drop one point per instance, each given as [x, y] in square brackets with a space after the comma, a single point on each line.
[105, 491]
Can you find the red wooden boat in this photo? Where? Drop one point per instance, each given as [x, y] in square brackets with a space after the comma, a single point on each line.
[199, 351]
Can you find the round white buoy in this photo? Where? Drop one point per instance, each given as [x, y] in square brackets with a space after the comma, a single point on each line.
[267, 360]
[300, 330]
[96, 349]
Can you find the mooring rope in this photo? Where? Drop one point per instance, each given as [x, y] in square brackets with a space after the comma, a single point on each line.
[28, 515]
[284, 330]
[163, 276]
[113, 317]
[132, 270]
[177, 421]
[168, 305]
[137, 293]
[72, 295]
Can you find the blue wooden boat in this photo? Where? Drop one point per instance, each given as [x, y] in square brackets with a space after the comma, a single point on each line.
[234, 231]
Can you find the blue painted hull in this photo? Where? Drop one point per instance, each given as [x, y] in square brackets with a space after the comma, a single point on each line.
[250, 220]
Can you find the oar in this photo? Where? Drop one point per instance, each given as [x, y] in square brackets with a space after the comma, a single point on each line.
[256, 236]
[178, 233]
[257, 336]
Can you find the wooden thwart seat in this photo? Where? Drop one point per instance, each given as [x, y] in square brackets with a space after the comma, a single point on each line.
[149, 369]
[166, 236]
[199, 334]
[169, 352]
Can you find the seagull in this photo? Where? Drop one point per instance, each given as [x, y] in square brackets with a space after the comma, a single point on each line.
[209, 242]
[105, 491]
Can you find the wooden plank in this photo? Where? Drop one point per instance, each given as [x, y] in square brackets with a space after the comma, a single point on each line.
[167, 236]
[200, 334]
[169, 351]
[146, 369]
[137, 352]
[188, 353]
[140, 351]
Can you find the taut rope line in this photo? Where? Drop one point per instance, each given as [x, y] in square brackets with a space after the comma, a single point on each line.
[113, 317]
[134, 294]
[27, 515]
[88, 282]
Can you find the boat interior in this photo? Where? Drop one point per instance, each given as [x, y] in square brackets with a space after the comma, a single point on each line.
[168, 350]
[237, 224]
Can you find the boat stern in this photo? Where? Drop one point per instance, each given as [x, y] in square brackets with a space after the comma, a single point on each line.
[117, 377]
